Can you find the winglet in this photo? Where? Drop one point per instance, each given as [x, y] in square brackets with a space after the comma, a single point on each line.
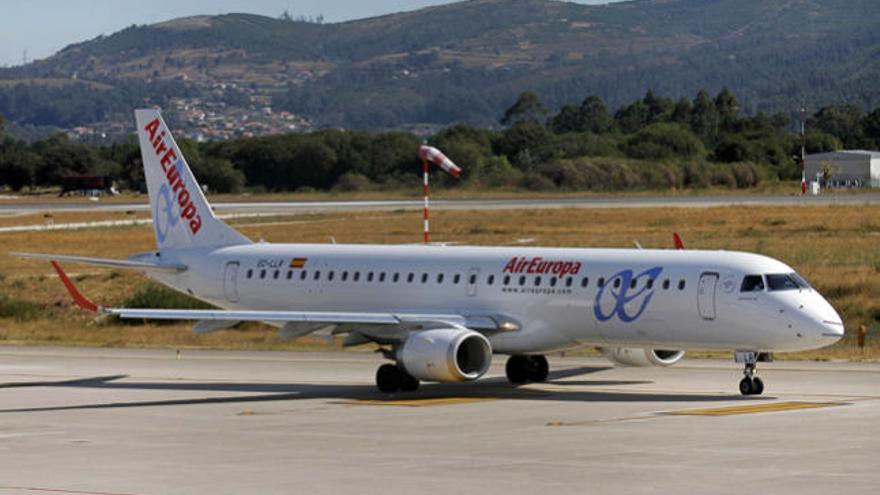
[81, 300]
[677, 240]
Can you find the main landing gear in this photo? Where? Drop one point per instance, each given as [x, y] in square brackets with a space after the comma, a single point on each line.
[523, 369]
[750, 384]
[392, 378]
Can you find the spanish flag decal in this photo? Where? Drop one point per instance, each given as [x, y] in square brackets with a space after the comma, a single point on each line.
[298, 262]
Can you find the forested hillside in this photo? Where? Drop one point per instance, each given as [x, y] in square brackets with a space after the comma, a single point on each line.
[464, 62]
[652, 143]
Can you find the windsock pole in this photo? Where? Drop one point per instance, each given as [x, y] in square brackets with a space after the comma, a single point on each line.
[427, 235]
[430, 154]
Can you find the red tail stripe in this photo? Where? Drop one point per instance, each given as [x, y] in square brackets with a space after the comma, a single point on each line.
[81, 300]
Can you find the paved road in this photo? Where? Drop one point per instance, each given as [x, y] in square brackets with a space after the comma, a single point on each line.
[106, 421]
[476, 204]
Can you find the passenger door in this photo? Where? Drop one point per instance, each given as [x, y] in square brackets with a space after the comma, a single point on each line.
[706, 295]
[230, 281]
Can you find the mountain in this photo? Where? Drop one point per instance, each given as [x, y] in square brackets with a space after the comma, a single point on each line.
[465, 62]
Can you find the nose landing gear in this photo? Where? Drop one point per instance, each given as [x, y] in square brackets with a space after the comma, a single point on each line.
[750, 384]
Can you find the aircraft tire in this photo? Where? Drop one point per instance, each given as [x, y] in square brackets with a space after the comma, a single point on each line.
[389, 378]
[517, 369]
[539, 368]
[757, 386]
[746, 386]
[409, 383]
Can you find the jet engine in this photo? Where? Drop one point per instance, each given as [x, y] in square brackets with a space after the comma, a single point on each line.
[635, 356]
[445, 355]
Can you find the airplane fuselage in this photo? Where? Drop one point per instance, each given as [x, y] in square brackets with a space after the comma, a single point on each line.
[555, 298]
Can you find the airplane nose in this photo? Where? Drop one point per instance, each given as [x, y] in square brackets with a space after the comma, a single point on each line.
[829, 324]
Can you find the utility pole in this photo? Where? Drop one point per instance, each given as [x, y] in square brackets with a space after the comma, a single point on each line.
[803, 151]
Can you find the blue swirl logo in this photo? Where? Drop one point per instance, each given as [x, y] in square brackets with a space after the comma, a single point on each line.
[619, 298]
[164, 216]
[166, 211]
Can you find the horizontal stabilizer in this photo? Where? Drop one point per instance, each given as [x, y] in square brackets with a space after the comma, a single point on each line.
[124, 264]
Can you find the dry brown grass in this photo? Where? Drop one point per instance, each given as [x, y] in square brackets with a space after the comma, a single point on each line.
[835, 247]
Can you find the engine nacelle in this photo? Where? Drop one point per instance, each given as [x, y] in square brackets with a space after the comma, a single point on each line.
[628, 356]
[445, 355]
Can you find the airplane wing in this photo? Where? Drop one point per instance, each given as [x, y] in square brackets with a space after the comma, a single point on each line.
[292, 320]
[125, 264]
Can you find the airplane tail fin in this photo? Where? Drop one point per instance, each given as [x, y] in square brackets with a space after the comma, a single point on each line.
[182, 217]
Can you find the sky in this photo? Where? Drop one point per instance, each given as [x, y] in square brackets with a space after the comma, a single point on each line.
[35, 29]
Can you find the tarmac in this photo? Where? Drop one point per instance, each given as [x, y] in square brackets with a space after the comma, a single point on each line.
[117, 421]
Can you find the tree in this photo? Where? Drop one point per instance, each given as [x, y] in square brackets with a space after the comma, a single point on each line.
[633, 117]
[660, 141]
[528, 107]
[728, 109]
[594, 116]
[871, 126]
[704, 117]
[844, 122]
[681, 114]
[219, 175]
[659, 109]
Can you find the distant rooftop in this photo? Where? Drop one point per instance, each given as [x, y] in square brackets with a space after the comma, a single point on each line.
[829, 154]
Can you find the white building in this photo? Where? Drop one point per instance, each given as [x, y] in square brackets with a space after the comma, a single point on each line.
[845, 168]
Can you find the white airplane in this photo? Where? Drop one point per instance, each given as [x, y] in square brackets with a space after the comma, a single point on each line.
[441, 312]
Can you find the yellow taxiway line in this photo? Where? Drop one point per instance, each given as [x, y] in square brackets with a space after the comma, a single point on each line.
[753, 408]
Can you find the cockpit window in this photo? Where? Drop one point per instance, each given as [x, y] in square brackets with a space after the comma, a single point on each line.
[801, 281]
[783, 281]
[752, 283]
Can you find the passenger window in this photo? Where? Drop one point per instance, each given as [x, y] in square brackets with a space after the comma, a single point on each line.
[424, 277]
[490, 280]
[522, 280]
[650, 283]
[344, 276]
[275, 275]
[666, 284]
[396, 277]
[507, 280]
[752, 283]
[585, 282]
[262, 274]
[302, 275]
[330, 276]
[601, 282]
[632, 284]
[617, 283]
[552, 281]
[537, 281]
[409, 278]
[472, 279]
[370, 277]
[681, 284]
[357, 276]
[568, 281]
[456, 279]
[439, 278]
[250, 273]
[382, 277]
[289, 274]
[317, 274]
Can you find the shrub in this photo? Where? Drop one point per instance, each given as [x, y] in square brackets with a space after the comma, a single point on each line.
[19, 309]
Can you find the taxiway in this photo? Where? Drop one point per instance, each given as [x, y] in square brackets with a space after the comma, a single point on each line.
[110, 421]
